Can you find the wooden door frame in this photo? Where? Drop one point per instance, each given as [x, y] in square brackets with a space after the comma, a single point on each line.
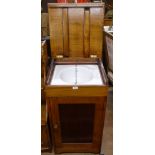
[100, 104]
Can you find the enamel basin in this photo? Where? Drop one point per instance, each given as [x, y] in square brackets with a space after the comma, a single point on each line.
[76, 75]
[68, 75]
[79, 75]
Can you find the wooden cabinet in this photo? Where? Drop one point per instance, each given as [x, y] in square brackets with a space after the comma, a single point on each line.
[76, 87]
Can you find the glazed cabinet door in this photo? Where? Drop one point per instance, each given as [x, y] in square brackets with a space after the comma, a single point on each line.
[77, 123]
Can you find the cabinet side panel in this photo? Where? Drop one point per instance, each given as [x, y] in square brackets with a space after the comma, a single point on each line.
[99, 122]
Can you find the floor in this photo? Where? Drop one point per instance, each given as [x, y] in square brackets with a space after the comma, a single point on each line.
[107, 141]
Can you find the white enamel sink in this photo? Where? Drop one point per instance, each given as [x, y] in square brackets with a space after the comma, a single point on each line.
[67, 75]
[76, 75]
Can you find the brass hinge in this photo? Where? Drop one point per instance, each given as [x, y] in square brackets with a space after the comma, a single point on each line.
[93, 56]
[59, 56]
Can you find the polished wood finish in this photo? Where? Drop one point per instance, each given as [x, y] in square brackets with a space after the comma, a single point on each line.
[43, 114]
[108, 22]
[65, 32]
[45, 141]
[45, 134]
[76, 29]
[76, 18]
[56, 31]
[80, 91]
[96, 35]
[44, 25]
[86, 34]
[94, 146]
[76, 38]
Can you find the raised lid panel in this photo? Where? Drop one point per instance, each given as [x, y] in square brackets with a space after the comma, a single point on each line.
[96, 31]
[65, 32]
[86, 34]
[76, 19]
[56, 31]
[76, 29]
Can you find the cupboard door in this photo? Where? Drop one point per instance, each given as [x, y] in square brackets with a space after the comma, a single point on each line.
[77, 123]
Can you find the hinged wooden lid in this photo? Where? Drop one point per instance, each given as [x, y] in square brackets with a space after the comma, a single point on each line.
[76, 29]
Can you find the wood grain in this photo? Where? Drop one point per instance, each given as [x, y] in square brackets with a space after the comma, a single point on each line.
[65, 32]
[94, 146]
[78, 28]
[86, 34]
[108, 22]
[76, 19]
[56, 31]
[60, 91]
[96, 31]
[43, 114]
[46, 144]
